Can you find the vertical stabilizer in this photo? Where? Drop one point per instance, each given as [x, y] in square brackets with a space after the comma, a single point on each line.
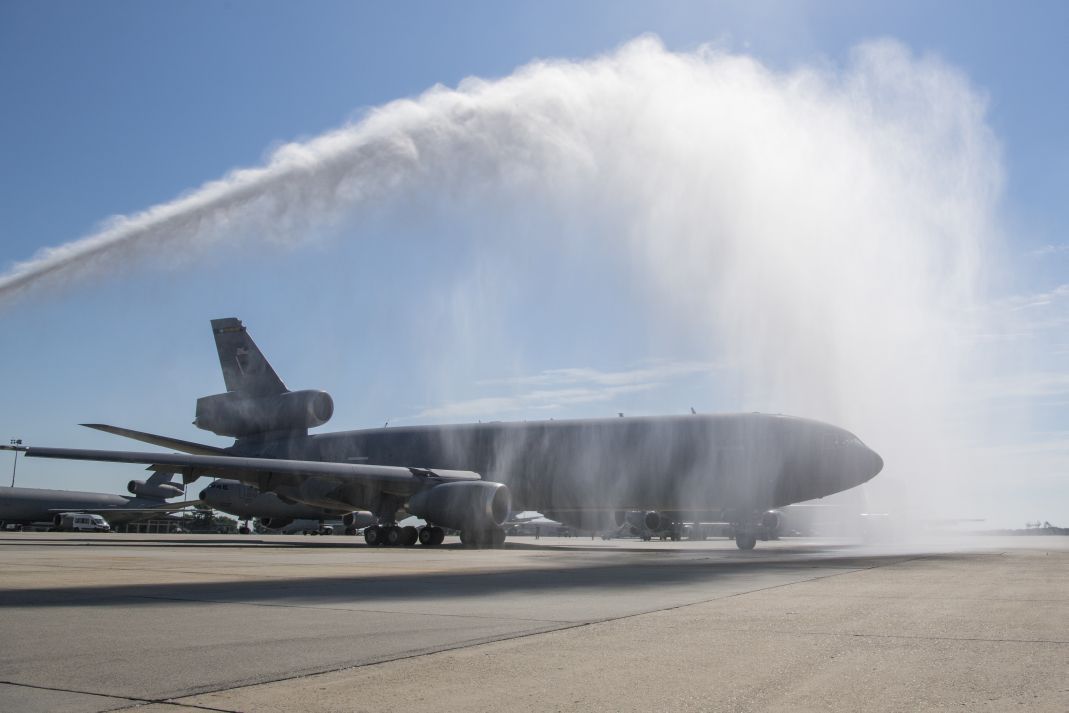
[245, 368]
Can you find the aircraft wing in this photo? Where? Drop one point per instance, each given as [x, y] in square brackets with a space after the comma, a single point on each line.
[397, 479]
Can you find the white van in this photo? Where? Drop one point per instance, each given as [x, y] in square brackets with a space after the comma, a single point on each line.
[81, 522]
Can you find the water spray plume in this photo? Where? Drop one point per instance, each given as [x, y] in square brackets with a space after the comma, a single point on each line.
[823, 227]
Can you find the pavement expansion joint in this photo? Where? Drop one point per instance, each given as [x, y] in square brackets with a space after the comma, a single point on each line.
[458, 646]
[137, 702]
[511, 637]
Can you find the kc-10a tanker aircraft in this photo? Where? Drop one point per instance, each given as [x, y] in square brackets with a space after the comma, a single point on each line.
[728, 467]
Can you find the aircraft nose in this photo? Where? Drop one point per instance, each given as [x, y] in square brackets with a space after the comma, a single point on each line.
[873, 463]
[878, 462]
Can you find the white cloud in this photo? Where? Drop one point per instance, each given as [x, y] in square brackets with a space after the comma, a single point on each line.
[653, 372]
[1048, 250]
[1030, 385]
[1033, 300]
[575, 386]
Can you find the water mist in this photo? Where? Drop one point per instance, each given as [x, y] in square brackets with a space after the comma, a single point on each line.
[824, 228]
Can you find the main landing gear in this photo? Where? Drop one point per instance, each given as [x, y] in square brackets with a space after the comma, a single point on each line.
[745, 540]
[396, 536]
[748, 530]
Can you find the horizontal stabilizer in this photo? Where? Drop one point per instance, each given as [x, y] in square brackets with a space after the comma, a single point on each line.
[394, 479]
[162, 507]
[161, 441]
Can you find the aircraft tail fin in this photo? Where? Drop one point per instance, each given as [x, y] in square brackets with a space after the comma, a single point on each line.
[245, 368]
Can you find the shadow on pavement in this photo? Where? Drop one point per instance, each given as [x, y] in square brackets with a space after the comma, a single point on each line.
[615, 570]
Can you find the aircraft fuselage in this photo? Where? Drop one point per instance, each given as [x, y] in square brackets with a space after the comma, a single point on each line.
[29, 505]
[678, 463]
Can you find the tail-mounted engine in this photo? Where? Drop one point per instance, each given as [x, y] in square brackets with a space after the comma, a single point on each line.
[238, 415]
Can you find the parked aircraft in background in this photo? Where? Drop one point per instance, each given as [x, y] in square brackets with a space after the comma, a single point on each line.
[29, 506]
[732, 467]
[246, 502]
[536, 524]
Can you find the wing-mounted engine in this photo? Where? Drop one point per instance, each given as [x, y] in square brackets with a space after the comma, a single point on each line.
[238, 414]
[477, 506]
[641, 519]
[161, 491]
[358, 519]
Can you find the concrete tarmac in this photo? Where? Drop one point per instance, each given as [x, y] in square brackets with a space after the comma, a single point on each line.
[230, 623]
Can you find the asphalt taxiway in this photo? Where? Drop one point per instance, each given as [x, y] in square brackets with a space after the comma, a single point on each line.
[231, 623]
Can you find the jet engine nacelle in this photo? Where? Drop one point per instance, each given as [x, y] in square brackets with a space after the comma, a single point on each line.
[358, 519]
[468, 506]
[275, 523]
[771, 520]
[237, 415]
[154, 490]
[641, 519]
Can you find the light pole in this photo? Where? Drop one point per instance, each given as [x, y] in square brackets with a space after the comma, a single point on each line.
[15, 442]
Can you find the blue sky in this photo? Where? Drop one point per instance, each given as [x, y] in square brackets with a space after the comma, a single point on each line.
[113, 107]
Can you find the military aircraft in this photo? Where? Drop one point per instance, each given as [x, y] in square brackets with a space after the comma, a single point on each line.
[246, 502]
[29, 506]
[467, 477]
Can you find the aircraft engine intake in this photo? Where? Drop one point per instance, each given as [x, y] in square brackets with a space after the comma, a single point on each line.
[358, 519]
[238, 415]
[275, 523]
[154, 490]
[469, 506]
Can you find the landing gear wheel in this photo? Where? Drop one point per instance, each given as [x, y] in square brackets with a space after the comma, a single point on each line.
[437, 536]
[373, 536]
[244, 530]
[409, 536]
[425, 536]
[745, 540]
[497, 538]
[393, 537]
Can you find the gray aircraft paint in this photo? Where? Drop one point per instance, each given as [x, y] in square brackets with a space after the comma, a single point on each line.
[26, 506]
[684, 463]
[246, 502]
